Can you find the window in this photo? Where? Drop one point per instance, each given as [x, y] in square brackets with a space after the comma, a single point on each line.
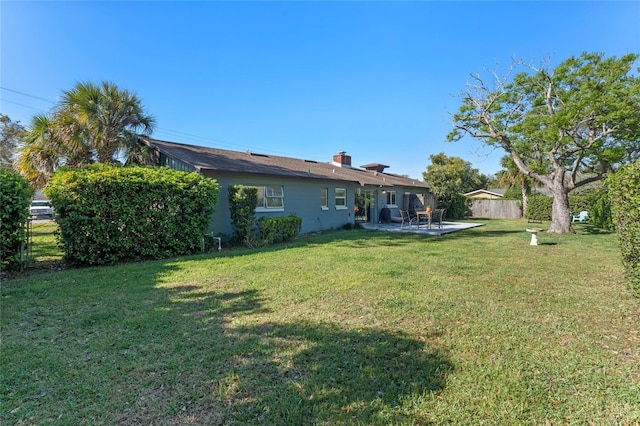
[324, 198]
[271, 197]
[341, 198]
[391, 198]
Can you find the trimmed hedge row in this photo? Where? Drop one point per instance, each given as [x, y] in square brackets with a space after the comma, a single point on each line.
[15, 197]
[279, 229]
[624, 191]
[539, 206]
[109, 214]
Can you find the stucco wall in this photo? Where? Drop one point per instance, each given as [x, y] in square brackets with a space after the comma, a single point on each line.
[301, 197]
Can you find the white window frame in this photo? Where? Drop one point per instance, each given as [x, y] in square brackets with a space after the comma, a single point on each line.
[340, 200]
[324, 198]
[270, 198]
[392, 199]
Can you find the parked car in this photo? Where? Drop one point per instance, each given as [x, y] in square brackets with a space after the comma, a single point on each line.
[41, 208]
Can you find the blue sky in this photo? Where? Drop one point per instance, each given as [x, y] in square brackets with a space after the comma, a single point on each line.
[302, 79]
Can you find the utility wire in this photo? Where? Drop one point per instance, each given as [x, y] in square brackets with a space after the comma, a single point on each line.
[28, 95]
[22, 105]
[162, 130]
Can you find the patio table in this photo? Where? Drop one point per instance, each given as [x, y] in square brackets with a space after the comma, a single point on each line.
[425, 213]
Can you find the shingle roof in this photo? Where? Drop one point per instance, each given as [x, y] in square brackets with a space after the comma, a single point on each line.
[213, 159]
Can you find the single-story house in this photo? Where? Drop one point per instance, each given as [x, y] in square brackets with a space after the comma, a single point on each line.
[325, 195]
[490, 194]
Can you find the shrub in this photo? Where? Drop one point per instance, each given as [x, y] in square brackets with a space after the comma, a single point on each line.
[15, 197]
[456, 206]
[242, 208]
[624, 191]
[279, 229]
[108, 214]
[600, 209]
[539, 207]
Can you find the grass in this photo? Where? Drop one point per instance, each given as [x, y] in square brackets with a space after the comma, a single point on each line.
[44, 248]
[350, 327]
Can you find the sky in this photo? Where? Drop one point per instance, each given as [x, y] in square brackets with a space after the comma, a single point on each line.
[379, 80]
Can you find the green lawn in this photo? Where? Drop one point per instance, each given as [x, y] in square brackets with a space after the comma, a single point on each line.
[349, 327]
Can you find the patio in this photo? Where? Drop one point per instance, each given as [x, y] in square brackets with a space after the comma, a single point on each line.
[447, 228]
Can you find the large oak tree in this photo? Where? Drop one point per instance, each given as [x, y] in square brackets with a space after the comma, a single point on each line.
[564, 127]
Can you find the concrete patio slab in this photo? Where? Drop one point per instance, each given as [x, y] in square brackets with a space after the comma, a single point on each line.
[447, 228]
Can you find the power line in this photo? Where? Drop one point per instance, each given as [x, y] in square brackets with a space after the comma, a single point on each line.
[177, 133]
[22, 105]
[28, 95]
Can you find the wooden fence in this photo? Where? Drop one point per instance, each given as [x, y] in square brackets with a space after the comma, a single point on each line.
[495, 209]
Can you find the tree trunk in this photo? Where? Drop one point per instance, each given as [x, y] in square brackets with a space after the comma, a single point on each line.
[525, 198]
[560, 213]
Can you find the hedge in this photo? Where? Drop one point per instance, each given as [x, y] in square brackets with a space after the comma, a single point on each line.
[539, 206]
[279, 229]
[15, 197]
[109, 214]
[624, 191]
[242, 209]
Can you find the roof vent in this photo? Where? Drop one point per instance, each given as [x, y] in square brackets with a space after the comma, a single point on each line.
[374, 167]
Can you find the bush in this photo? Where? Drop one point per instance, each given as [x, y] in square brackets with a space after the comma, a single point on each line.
[539, 207]
[624, 191]
[242, 208]
[279, 229]
[15, 197]
[456, 206]
[108, 214]
[600, 210]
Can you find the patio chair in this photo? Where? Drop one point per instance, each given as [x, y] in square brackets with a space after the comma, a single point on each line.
[437, 216]
[581, 217]
[406, 218]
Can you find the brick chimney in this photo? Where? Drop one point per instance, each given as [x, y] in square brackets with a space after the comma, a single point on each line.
[342, 159]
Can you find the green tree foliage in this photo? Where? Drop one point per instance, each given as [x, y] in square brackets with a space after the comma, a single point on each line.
[242, 207]
[511, 177]
[91, 123]
[564, 127]
[110, 214]
[15, 197]
[449, 176]
[624, 190]
[10, 134]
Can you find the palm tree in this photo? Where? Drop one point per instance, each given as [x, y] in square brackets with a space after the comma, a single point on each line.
[41, 150]
[511, 176]
[105, 118]
[92, 123]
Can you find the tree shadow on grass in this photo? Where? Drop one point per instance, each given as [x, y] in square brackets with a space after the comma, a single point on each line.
[128, 346]
[336, 376]
[591, 229]
[288, 372]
